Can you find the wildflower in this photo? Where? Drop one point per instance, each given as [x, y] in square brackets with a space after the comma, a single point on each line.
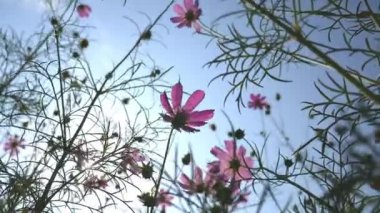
[102, 183]
[164, 199]
[233, 162]
[13, 145]
[84, 10]
[194, 185]
[131, 158]
[241, 196]
[183, 117]
[214, 177]
[257, 101]
[95, 183]
[188, 15]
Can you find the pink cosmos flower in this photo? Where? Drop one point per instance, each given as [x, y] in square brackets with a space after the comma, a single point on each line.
[13, 145]
[183, 117]
[214, 176]
[95, 183]
[195, 184]
[241, 196]
[83, 10]
[233, 162]
[131, 158]
[188, 15]
[164, 199]
[102, 183]
[257, 101]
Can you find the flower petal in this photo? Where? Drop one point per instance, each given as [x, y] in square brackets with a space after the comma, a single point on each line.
[166, 118]
[179, 10]
[176, 19]
[190, 129]
[221, 154]
[196, 123]
[194, 100]
[165, 103]
[248, 162]
[197, 27]
[198, 175]
[243, 173]
[177, 92]
[181, 24]
[230, 147]
[241, 152]
[188, 4]
[196, 3]
[185, 181]
[201, 115]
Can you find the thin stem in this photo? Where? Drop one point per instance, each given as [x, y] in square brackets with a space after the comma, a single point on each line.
[162, 168]
[329, 61]
[44, 199]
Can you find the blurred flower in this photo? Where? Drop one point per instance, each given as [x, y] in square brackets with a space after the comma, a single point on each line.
[187, 15]
[214, 177]
[257, 101]
[13, 145]
[130, 159]
[164, 199]
[183, 117]
[193, 185]
[233, 162]
[239, 195]
[95, 183]
[83, 10]
[102, 183]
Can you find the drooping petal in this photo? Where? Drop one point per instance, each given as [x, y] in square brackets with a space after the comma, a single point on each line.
[196, 3]
[194, 100]
[185, 181]
[198, 175]
[176, 19]
[188, 23]
[177, 92]
[165, 103]
[204, 115]
[182, 24]
[179, 10]
[166, 118]
[197, 27]
[196, 123]
[190, 129]
[188, 4]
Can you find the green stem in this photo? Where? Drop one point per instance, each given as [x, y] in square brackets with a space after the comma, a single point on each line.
[162, 168]
[329, 61]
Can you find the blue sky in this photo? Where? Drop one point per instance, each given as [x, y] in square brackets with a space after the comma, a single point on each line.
[111, 35]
